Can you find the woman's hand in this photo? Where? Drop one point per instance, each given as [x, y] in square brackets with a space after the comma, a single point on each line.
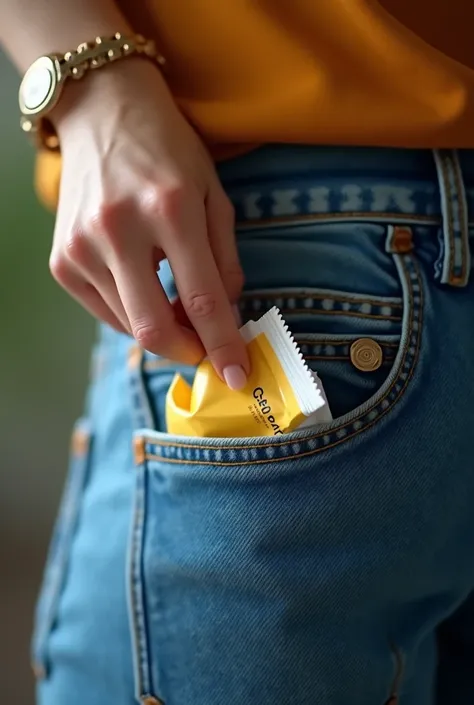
[138, 186]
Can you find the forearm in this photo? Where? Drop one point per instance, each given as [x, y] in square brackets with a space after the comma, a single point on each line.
[30, 28]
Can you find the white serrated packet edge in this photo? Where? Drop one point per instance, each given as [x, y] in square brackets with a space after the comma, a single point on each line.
[306, 384]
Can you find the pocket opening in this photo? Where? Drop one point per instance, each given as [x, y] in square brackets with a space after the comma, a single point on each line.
[160, 447]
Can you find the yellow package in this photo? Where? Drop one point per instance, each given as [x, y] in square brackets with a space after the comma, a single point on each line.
[281, 394]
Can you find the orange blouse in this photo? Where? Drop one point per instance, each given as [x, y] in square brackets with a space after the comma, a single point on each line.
[354, 72]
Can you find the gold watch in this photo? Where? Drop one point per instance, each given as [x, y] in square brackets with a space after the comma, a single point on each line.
[44, 81]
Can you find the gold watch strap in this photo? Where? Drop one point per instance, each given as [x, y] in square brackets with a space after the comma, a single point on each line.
[86, 57]
[104, 50]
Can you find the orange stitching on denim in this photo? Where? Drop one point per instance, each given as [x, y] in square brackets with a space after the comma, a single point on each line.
[138, 450]
[135, 355]
[459, 186]
[171, 444]
[331, 296]
[349, 215]
[80, 442]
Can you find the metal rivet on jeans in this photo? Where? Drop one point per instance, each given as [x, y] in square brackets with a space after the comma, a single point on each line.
[366, 355]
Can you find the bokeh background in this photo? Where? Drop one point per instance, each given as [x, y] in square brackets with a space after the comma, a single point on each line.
[44, 348]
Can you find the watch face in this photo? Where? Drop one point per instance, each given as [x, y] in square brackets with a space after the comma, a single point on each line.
[38, 88]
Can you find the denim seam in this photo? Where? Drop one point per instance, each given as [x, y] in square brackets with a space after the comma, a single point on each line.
[464, 235]
[349, 215]
[415, 314]
[140, 644]
[60, 545]
[451, 180]
[449, 209]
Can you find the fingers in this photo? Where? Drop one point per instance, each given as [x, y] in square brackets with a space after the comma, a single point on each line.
[85, 294]
[150, 314]
[202, 291]
[113, 274]
[85, 261]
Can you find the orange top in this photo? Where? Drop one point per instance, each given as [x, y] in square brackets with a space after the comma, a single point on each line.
[355, 72]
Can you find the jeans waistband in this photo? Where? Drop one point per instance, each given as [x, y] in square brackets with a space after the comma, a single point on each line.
[278, 184]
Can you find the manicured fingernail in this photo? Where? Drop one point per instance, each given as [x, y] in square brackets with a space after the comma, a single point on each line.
[237, 316]
[235, 377]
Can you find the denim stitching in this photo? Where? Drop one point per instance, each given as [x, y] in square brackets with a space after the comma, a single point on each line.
[452, 181]
[151, 365]
[321, 350]
[449, 212]
[464, 235]
[135, 596]
[355, 299]
[371, 415]
[349, 215]
[350, 314]
[321, 304]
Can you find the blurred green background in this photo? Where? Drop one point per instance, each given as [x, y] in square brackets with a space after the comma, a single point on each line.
[44, 350]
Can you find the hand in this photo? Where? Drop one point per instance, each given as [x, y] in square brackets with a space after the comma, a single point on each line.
[138, 186]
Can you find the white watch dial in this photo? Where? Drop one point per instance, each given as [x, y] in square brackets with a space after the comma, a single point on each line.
[38, 86]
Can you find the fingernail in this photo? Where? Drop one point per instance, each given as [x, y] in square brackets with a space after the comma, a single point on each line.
[237, 316]
[235, 377]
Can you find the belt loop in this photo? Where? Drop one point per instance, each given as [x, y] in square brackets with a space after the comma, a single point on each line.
[457, 258]
[142, 415]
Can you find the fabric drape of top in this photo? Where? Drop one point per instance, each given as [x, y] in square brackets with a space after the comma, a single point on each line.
[342, 72]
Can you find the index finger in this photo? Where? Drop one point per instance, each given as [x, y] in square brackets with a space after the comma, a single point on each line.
[151, 316]
[204, 296]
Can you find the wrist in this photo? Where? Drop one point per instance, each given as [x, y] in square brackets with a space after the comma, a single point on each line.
[55, 85]
[101, 93]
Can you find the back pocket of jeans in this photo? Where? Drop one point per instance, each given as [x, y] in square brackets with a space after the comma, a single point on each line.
[59, 549]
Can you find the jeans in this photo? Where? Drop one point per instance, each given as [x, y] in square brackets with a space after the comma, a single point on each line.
[330, 566]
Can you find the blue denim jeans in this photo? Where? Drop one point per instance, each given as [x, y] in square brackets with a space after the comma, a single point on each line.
[332, 566]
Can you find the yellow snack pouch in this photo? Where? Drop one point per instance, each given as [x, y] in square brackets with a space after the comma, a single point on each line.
[281, 393]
